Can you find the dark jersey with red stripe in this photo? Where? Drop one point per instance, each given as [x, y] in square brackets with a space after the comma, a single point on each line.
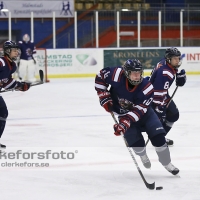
[7, 68]
[132, 101]
[162, 77]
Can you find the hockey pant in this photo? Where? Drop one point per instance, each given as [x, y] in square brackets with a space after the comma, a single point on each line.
[156, 133]
[3, 115]
[27, 70]
[172, 115]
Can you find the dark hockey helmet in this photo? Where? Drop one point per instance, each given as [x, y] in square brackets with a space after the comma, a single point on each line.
[133, 65]
[173, 52]
[7, 46]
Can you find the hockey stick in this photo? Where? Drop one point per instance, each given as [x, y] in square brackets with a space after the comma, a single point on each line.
[41, 73]
[150, 186]
[172, 96]
[33, 59]
[166, 106]
[32, 84]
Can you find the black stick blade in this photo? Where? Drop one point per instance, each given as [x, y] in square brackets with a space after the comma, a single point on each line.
[150, 186]
[41, 75]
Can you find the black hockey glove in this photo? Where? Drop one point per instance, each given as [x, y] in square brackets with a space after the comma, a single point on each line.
[161, 112]
[23, 86]
[181, 78]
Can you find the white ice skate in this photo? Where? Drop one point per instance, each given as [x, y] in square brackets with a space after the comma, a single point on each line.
[2, 148]
[145, 161]
[172, 169]
[169, 142]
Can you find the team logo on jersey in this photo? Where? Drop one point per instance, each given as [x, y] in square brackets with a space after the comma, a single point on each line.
[29, 52]
[125, 104]
[4, 80]
[86, 59]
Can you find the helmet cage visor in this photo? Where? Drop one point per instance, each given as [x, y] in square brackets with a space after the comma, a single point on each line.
[136, 67]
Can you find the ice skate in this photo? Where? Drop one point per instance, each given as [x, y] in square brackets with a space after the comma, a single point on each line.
[145, 161]
[169, 142]
[2, 148]
[172, 169]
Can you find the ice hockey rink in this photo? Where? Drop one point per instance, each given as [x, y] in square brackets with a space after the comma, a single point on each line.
[65, 116]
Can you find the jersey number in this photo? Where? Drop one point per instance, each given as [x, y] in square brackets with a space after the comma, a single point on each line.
[147, 102]
[166, 86]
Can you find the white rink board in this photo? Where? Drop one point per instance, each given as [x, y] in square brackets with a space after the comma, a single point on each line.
[89, 61]
[191, 59]
[74, 61]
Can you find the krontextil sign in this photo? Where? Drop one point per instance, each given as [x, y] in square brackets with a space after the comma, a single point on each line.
[21, 9]
[149, 57]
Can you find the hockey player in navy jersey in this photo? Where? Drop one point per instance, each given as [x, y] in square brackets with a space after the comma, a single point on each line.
[130, 97]
[7, 68]
[162, 77]
[27, 66]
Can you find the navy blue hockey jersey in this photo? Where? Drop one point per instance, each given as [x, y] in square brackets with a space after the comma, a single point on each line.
[162, 77]
[27, 50]
[132, 102]
[7, 68]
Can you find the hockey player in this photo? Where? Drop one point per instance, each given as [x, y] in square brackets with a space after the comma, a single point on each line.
[7, 68]
[162, 77]
[130, 97]
[27, 66]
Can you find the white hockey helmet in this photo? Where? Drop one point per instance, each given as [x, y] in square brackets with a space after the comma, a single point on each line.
[26, 38]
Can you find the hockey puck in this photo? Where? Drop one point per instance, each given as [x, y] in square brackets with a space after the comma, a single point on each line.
[159, 188]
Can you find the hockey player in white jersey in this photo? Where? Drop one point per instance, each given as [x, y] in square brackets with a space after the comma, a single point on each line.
[27, 65]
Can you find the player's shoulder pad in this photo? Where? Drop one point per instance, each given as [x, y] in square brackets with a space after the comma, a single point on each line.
[2, 62]
[160, 67]
[113, 73]
[147, 86]
[168, 72]
[2, 65]
[116, 73]
[160, 64]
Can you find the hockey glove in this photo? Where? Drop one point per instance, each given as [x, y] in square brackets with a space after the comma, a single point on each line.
[105, 100]
[181, 78]
[161, 112]
[122, 127]
[23, 86]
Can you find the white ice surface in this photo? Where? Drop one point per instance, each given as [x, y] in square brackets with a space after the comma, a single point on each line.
[65, 115]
